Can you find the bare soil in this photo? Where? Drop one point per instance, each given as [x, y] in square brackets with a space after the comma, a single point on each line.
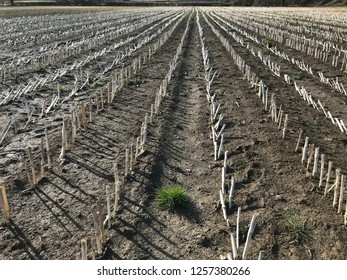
[49, 221]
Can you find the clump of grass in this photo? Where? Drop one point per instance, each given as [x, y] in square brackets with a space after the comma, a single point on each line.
[96, 84]
[298, 76]
[114, 73]
[171, 198]
[298, 229]
[269, 42]
[132, 82]
[64, 88]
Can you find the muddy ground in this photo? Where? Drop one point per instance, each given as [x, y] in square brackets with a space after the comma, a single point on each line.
[49, 221]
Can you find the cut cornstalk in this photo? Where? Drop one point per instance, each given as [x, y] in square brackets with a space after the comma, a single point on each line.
[342, 193]
[126, 162]
[4, 202]
[48, 151]
[304, 150]
[31, 159]
[233, 246]
[215, 144]
[315, 163]
[220, 150]
[63, 140]
[97, 230]
[238, 227]
[299, 140]
[42, 158]
[261, 255]
[108, 205]
[225, 160]
[137, 148]
[280, 118]
[84, 115]
[285, 125]
[231, 191]
[84, 249]
[101, 225]
[336, 185]
[131, 163]
[93, 248]
[223, 180]
[223, 205]
[90, 107]
[322, 163]
[310, 155]
[330, 166]
[249, 236]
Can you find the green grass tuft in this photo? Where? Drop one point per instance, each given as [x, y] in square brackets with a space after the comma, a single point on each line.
[299, 230]
[171, 198]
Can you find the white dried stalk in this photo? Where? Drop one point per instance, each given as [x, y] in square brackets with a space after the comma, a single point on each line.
[31, 159]
[42, 158]
[299, 140]
[108, 205]
[4, 202]
[336, 185]
[63, 140]
[93, 245]
[238, 227]
[137, 147]
[315, 164]
[231, 191]
[310, 155]
[131, 163]
[223, 205]
[126, 162]
[220, 132]
[233, 246]
[48, 151]
[223, 180]
[97, 230]
[225, 160]
[285, 125]
[220, 150]
[342, 192]
[215, 150]
[304, 150]
[261, 255]
[101, 224]
[330, 166]
[249, 236]
[84, 249]
[280, 118]
[322, 163]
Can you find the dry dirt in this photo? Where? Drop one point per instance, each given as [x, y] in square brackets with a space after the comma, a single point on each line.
[49, 221]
